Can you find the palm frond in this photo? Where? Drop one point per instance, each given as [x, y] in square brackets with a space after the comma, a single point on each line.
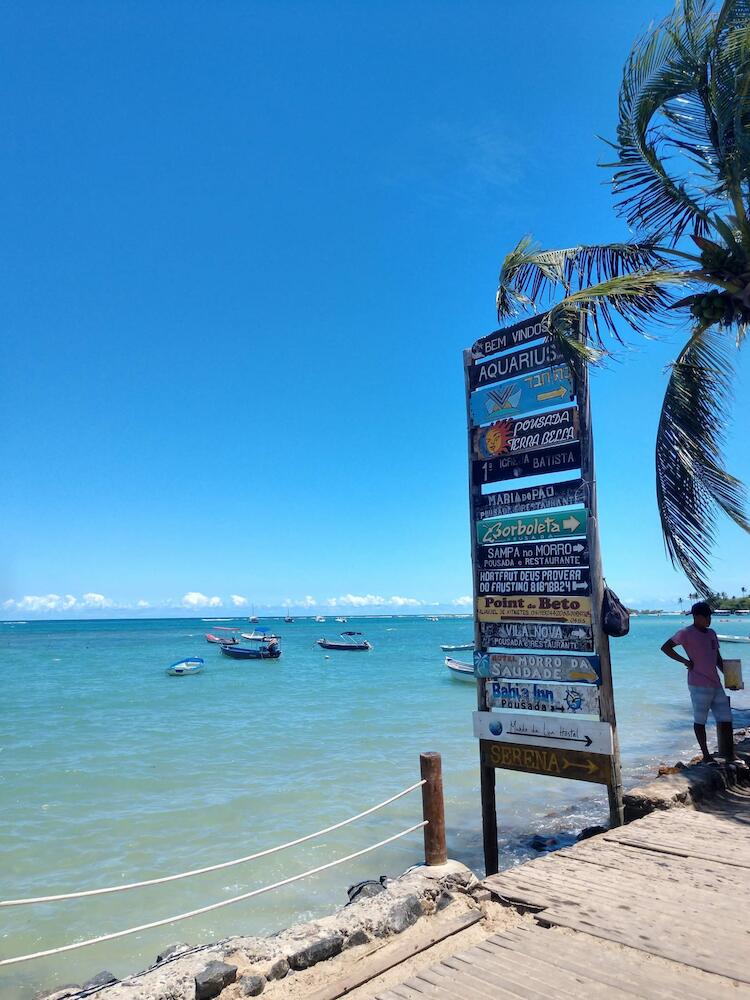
[691, 482]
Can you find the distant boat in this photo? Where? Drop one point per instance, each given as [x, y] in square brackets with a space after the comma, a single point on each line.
[228, 640]
[461, 671]
[288, 620]
[182, 668]
[432, 618]
[453, 649]
[342, 620]
[262, 647]
[347, 643]
[733, 638]
[319, 618]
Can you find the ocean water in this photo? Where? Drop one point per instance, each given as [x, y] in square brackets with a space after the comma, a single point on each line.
[111, 771]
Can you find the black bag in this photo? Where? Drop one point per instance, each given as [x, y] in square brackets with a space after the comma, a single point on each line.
[615, 616]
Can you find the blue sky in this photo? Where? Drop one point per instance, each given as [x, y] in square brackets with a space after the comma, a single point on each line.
[245, 244]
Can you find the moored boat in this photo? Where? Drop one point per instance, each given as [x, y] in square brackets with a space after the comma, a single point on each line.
[229, 639]
[266, 649]
[462, 645]
[183, 668]
[461, 671]
[347, 643]
[733, 638]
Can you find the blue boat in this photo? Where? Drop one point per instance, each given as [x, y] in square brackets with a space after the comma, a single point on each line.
[261, 646]
[183, 668]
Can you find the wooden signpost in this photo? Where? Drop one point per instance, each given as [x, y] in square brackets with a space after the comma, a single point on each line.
[542, 659]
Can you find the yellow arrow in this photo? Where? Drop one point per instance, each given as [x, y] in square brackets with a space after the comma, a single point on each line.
[559, 393]
[589, 765]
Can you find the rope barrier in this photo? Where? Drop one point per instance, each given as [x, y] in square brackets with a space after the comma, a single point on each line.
[212, 906]
[210, 868]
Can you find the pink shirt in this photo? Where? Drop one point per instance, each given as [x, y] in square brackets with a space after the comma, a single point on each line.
[702, 648]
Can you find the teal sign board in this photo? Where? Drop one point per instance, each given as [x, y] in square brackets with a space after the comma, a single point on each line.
[550, 387]
[532, 527]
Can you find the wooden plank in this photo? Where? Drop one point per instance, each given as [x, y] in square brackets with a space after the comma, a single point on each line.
[450, 991]
[369, 967]
[684, 851]
[494, 979]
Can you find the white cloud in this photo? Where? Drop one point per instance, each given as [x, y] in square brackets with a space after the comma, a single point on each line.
[95, 601]
[142, 604]
[56, 602]
[304, 602]
[194, 599]
[462, 602]
[372, 600]
[238, 600]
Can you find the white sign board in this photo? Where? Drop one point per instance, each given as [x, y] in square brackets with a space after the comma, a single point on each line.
[544, 730]
[539, 696]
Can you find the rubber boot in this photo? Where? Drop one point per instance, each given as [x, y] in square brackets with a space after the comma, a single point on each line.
[725, 739]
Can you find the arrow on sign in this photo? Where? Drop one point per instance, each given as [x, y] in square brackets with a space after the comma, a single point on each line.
[571, 523]
[568, 739]
[553, 394]
[578, 548]
[578, 586]
[588, 765]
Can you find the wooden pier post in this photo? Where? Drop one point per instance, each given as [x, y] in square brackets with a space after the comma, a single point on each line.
[433, 808]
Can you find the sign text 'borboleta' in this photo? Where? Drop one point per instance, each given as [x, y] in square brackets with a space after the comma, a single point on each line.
[538, 667]
[537, 635]
[536, 607]
[551, 387]
[579, 765]
[528, 527]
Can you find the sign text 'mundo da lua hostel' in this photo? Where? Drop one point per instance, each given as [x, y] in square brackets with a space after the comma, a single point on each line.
[544, 683]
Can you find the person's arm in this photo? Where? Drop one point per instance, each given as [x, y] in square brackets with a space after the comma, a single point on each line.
[669, 650]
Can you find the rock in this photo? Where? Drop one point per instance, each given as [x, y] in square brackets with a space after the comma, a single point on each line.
[101, 979]
[360, 936]
[363, 890]
[538, 843]
[170, 951]
[590, 831]
[316, 951]
[212, 980]
[278, 970]
[59, 992]
[406, 912]
[252, 986]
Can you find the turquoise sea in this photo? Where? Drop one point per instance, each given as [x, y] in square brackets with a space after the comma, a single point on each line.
[110, 771]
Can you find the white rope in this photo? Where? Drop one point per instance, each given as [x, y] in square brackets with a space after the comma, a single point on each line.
[210, 868]
[213, 906]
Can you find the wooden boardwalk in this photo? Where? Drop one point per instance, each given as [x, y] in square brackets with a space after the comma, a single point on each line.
[659, 908]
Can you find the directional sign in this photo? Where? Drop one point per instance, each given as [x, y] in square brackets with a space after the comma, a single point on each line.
[537, 635]
[529, 555]
[533, 328]
[514, 501]
[534, 581]
[556, 763]
[541, 696]
[528, 433]
[538, 667]
[536, 607]
[530, 527]
[562, 458]
[544, 729]
[521, 362]
[550, 387]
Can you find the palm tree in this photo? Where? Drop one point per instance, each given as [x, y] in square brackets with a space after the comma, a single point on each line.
[682, 180]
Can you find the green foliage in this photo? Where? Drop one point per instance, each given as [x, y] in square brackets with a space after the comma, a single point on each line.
[682, 169]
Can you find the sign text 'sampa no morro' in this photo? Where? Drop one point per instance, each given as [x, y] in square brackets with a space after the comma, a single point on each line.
[532, 554]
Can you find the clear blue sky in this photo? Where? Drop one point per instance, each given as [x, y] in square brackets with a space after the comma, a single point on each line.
[244, 246]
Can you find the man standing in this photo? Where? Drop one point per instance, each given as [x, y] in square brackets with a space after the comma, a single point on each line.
[701, 644]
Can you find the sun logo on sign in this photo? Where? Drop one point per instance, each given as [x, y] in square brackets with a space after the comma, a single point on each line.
[495, 439]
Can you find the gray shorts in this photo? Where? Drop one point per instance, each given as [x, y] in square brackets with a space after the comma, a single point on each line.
[705, 698]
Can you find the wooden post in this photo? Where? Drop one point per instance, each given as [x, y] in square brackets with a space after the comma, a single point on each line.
[601, 639]
[486, 774]
[725, 740]
[433, 808]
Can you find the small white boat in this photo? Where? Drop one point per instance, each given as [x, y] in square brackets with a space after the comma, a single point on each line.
[453, 649]
[461, 671]
[192, 665]
[319, 618]
[733, 638]
[342, 620]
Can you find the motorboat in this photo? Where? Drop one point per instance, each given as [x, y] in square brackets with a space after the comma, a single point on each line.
[183, 668]
[348, 643]
[453, 649]
[342, 620]
[733, 638]
[460, 671]
[229, 639]
[319, 618]
[261, 647]
[288, 620]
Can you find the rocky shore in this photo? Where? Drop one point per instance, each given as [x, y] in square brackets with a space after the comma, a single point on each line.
[284, 966]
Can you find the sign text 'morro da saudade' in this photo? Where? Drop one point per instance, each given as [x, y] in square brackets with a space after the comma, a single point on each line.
[560, 458]
[536, 607]
[533, 328]
[520, 362]
[516, 500]
[527, 433]
[538, 667]
[534, 581]
[528, 527]
[532, 554]
[551, 387]
[553, 729]
[541, 696]
[537, 635]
